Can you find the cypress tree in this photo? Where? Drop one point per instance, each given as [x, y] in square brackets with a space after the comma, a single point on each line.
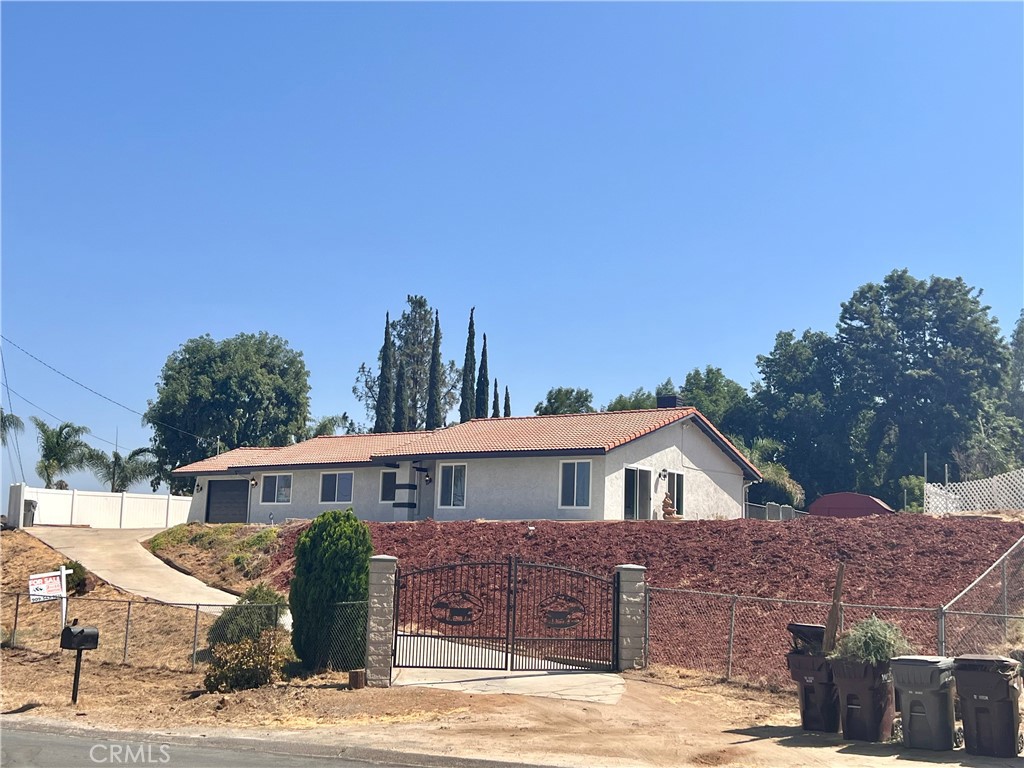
[467, 407]
[508, 404]
[385, 411]
[495, 407]
[482, 381]
[435, 418]
[401, 423]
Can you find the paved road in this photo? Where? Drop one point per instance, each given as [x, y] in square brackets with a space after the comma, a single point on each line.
[27, 748]
[117, 556]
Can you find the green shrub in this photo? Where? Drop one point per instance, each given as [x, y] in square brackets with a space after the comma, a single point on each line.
[251, 564]
[871, 641]
[172, 537]
[257, 610]
[213, 536]
[76, 579]
[332, 564]
[249, 663]
[262, 541]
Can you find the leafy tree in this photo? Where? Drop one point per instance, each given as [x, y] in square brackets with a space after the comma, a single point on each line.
[413, 334]
[482, 380]
[332, 561]
[61, 450]
[249, 390]
[724, 401]
[1015, 393]
[508, 404]
[637, 400]
[9, 424]
[467, 406]
[924, 363]
[401, 420]
[495, 403]
[435, 418]
[122, 472]
[384, 407]
[565, 400]
[330, 425]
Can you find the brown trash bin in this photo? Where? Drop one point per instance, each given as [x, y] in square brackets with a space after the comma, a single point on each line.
[989, 688]
[867, 704]
[810, 670]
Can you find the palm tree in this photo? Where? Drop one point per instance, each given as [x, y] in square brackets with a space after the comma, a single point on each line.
[61, 449]
[122, 472]
[9, 423]
[765, 453]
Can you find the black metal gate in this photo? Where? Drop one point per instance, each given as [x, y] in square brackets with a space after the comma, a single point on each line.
[505, 615]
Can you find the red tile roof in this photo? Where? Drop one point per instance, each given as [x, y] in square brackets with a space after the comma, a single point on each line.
[336, 449]
[563, 434]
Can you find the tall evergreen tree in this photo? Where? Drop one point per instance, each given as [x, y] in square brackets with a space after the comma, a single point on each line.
[482, 381]
[467, 406]
[385, 411]
[1016, 393]
[401, 423]
[508, 404]
[435, 417]
[495, 405]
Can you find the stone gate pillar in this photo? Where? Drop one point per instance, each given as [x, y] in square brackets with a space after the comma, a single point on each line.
[380, 621]
[632, 616]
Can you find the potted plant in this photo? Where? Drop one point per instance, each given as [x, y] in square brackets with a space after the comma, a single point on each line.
[860, 668]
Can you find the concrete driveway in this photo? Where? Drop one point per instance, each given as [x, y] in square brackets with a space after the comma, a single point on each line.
[117, 556]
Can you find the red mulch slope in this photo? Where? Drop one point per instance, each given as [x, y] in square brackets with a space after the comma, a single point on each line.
[906, 560]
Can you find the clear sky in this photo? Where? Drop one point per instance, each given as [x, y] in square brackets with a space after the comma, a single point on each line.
[623, 191]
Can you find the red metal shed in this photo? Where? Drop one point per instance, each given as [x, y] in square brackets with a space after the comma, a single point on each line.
[848, 504]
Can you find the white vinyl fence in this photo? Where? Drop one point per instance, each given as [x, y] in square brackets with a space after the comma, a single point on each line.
[96, 509]
[1004, 491]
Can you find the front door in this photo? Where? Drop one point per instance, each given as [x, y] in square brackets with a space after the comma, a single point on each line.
[637, 502]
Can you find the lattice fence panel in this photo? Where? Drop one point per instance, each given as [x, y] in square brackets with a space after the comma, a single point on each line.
[1004, 491]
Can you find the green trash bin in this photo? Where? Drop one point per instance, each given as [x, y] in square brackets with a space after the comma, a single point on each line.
[988, 688]
[926, 691]
[810, 670]
[867, 703]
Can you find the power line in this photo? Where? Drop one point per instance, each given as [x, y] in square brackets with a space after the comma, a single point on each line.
[14, 432]
[58, 419]
[98, 394]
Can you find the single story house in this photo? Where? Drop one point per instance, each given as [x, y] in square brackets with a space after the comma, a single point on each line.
[614, 465]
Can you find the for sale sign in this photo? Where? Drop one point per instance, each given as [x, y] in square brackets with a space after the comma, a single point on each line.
[46, 586]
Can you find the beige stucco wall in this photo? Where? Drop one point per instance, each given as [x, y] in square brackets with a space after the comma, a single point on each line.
[712, 484]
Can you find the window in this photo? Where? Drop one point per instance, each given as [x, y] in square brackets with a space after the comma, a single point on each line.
[674, 486]
[388, 481]
[453, 486]
[277, 489]
[575, 484]
[335, 487]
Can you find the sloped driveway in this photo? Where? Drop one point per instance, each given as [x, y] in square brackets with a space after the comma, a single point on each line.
[118, 557]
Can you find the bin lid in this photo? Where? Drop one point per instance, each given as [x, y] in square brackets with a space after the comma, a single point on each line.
[941, 662]
[981, 661]
[809, 633]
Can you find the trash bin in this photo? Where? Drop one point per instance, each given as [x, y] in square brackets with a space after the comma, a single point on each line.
[819, 700]
[927, 692]
[867, 704]
[29, 518]
[988, 688]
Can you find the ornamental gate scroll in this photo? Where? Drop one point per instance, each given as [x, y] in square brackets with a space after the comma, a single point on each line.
[505, 616]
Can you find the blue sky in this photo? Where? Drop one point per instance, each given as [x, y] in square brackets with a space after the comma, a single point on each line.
[624, 191]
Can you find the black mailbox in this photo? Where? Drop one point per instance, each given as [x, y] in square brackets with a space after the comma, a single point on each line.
[77, 638]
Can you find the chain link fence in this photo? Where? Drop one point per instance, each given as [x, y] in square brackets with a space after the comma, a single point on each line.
[146, 634]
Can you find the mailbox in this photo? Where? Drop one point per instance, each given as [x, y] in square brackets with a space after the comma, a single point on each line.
[77, 638]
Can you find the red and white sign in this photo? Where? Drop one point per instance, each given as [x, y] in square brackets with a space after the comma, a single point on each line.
[46, 586]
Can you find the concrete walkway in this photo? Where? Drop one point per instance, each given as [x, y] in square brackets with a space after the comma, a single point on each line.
[596, 687]
[118, 557]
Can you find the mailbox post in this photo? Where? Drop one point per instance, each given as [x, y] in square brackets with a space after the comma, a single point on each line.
[78, 639]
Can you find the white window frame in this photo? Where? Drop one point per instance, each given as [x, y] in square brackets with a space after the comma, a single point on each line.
[380, 488]
[263, 485]
[320, 490]
[465, 483]
[575, 480]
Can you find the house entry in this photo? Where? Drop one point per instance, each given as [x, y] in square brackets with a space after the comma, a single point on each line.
[505, 616]
[637, 504]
